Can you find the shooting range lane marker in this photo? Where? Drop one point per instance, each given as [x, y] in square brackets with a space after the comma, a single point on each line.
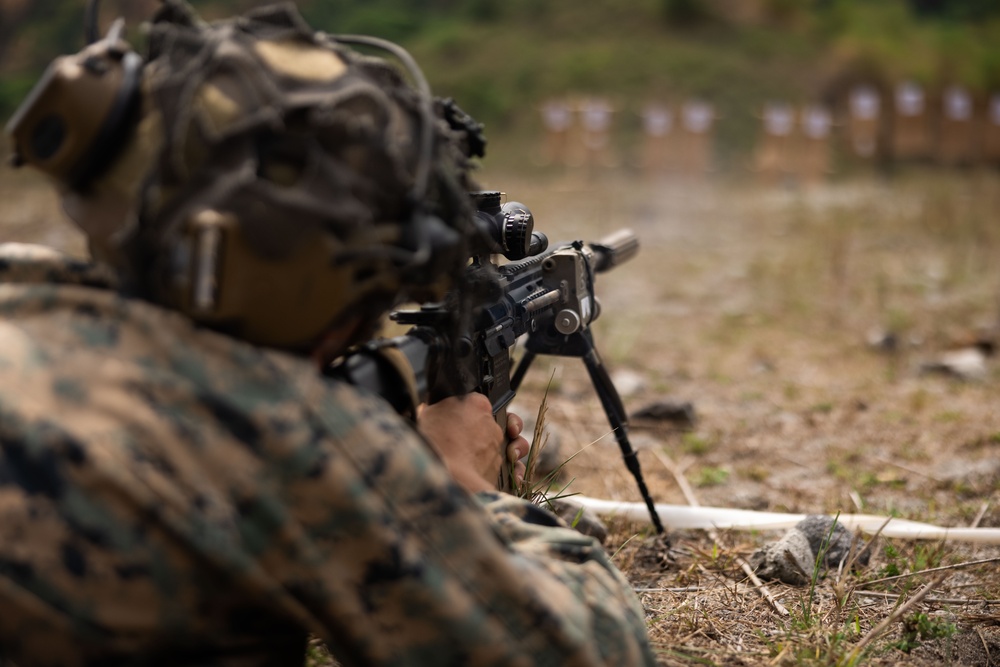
[678, 517]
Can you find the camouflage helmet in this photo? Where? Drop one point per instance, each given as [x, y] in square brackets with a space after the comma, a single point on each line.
[279, 185]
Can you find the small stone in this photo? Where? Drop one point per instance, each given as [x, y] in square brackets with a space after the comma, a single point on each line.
[679, 413]
[835, 544]
[966, 364]
[627, 382]
[789, 559]
[793, 558]
[882, 341]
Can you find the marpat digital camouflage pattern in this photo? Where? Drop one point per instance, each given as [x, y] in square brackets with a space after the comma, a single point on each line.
[169, 495]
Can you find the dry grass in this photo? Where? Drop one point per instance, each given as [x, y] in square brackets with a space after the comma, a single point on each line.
[755, 305]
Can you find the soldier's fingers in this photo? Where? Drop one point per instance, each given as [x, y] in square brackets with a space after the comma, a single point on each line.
[519, 472]
[514, 425]
[517, 449]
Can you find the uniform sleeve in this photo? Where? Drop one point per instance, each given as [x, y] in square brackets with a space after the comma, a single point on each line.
[436, 576]
[577, 560]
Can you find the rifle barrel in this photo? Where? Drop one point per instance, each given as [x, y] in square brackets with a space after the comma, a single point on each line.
[614, 249]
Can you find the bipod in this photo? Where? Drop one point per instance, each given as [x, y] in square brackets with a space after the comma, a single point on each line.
[581, 345]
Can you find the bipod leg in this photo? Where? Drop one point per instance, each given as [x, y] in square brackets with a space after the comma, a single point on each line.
[615, 410]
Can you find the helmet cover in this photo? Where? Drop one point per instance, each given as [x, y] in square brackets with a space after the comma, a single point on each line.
[280, 196]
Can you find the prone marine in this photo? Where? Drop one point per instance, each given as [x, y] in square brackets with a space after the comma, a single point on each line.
[179, 484]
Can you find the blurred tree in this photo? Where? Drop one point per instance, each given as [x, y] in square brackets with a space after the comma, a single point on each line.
[397, 20]
[685, 12]
[963, 10]
[12, 14]
[785, 12]
[485, 10]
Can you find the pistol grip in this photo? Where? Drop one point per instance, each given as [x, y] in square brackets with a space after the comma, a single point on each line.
[504, 481]
[500, 399]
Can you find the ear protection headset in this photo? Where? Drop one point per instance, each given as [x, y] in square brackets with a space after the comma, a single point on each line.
[79, 115]
[73, 120]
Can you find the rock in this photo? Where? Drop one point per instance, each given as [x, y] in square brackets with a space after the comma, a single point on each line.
[968, 363]
[628, 383]
[793, 558]
[835, 545]
[882, 341]
[679, 413]
[789, 559]
[982, 473]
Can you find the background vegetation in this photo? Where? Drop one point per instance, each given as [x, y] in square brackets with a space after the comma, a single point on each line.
[500, 58]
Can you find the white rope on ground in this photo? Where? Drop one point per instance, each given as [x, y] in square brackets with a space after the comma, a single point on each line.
[678, 517]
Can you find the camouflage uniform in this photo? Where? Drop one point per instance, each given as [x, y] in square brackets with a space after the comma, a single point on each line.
[172, 495]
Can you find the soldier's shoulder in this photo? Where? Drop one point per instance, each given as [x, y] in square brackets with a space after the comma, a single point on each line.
[37, 264]
[70, 312]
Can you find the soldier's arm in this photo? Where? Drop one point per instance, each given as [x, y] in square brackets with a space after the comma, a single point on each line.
[577, 565]
[464, 433]
[483, 579]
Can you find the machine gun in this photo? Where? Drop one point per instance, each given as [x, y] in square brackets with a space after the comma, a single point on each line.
[464, 343]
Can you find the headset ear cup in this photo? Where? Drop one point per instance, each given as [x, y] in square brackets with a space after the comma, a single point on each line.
[117, 126]
[79, 116]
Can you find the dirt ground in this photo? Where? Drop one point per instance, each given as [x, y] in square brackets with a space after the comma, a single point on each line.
[807, 330]
[802, 327]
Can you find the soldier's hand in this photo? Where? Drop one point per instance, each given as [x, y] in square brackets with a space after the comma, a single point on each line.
[465, 434]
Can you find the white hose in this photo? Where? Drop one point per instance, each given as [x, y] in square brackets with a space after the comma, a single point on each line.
[677, 517]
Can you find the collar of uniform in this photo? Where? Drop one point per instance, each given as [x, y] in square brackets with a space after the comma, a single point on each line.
[30, 263]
